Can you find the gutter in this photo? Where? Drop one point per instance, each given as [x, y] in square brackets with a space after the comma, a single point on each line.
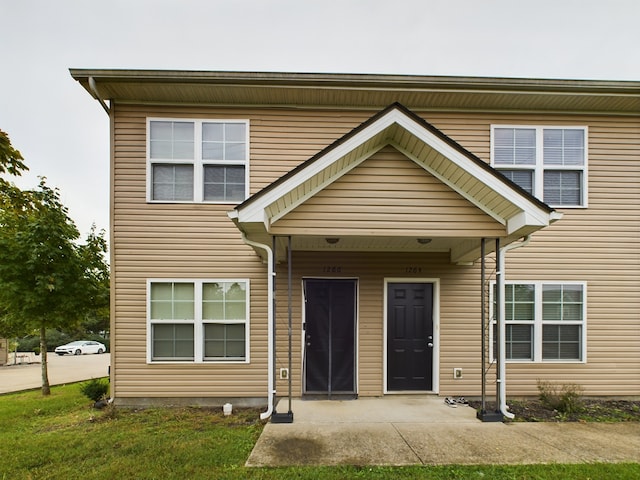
[504, 409]
[94, 89]
[270, 349]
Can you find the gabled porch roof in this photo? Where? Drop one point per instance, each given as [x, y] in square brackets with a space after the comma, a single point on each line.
[470, 177]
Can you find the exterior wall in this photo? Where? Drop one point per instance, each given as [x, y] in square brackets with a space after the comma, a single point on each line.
[599, 245]
[459, 313]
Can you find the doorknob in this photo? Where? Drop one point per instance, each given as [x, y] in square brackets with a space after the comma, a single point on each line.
[430, 345]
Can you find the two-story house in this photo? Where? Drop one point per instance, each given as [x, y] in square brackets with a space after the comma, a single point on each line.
[333, 235]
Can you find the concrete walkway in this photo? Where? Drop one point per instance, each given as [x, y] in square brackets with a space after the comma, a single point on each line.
[407, 430]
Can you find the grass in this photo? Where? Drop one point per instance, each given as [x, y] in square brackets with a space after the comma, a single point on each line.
[61, 436]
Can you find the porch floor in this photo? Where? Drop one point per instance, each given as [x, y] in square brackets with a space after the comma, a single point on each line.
[423, 430]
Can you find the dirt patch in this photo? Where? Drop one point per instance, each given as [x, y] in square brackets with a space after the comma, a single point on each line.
[534, 410]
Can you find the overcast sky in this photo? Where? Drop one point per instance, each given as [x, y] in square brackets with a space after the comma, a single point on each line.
[63, 133]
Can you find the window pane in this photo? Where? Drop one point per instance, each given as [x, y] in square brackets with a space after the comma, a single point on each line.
[212, 151]
[212, 291]
[224, 183]
[236, 291]
[519, 342]
[224, 341]
[235, 311]
[213, 132]
[562, 303]
[184, 291]
[234, 151]
[212, 310]
[224, 301]
[161, 291]
[172, 140]
[514, 146]
[172, 342]
[572, 293]
[172, 301]
[563, 187]
[522, 178]
[561, 342]
[160, 130]
[223, 141]
[519, 302]
[523, 292]
[235, 132]
[172, 182]
[563, 147]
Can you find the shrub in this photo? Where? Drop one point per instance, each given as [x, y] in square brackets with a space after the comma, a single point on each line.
[95, 389]
[566, 398]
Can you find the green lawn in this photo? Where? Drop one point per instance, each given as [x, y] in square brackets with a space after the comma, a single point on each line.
[61, 436]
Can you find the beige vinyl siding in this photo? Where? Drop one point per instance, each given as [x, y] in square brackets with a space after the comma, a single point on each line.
[599, 245]
[459, 326]
[388, 195]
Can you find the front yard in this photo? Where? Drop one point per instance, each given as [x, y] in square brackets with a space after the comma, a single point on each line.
[62, 436]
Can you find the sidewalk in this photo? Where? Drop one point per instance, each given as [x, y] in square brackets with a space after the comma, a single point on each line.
[61, 369]
[424, 431]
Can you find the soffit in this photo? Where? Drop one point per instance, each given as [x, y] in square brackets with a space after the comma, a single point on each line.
[372, 92]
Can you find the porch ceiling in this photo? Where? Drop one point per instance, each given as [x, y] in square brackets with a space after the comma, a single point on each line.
[469, 176]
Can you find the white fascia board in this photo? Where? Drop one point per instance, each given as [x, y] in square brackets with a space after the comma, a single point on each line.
[522, 220]
[255, 212]
[470, 166]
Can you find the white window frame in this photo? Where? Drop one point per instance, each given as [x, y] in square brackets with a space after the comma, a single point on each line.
[198, 323]
[197, 162]
[538, 322]
[539, 168]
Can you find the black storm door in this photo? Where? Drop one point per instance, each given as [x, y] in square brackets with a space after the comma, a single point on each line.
[410, 336]
[330, 319]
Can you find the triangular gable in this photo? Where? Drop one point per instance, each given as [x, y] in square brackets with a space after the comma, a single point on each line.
[445, 159]
[388, 195]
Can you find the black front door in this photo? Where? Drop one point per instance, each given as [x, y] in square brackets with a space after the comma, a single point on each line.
[330, 313]
[410, 336]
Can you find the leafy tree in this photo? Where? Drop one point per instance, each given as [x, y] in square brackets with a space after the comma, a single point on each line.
[47, 280]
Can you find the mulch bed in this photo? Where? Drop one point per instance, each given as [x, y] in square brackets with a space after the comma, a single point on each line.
[592, 411]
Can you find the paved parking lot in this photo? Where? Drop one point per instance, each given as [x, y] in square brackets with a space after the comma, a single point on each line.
[62, 369]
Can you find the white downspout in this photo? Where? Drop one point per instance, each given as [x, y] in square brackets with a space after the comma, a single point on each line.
[270, 379]
[501, 324]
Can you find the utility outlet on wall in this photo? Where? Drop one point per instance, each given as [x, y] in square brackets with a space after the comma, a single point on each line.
[457, 373]
[284, 373]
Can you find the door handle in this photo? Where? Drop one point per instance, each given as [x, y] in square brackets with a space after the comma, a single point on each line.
[430, 345]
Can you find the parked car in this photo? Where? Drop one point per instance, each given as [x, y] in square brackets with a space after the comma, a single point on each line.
[80, 347]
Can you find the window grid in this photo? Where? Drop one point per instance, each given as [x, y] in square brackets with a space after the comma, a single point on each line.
[215, 312]
[558, 172]
[558, 324]
[180, 167]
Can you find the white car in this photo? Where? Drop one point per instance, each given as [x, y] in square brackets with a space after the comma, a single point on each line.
[81, 347]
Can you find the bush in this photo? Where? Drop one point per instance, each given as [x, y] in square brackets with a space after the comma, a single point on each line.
[96, 389]
[566, 398]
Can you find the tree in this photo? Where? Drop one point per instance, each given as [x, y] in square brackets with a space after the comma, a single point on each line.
[47, 280]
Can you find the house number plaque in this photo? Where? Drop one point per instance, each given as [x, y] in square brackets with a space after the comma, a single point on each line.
[332, 269]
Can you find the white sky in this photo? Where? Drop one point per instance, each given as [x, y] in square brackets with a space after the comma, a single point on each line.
[64, 134]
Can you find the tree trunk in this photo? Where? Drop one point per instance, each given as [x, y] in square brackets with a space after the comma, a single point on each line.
[46, 390]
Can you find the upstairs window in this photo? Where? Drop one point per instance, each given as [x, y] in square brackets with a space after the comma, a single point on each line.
[197, 160]
[548, 162]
